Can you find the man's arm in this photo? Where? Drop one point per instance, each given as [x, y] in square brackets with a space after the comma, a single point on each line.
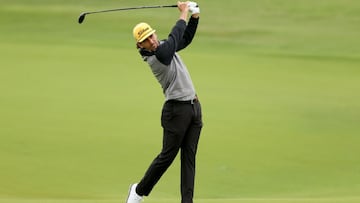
[166, 50]
[189, 33]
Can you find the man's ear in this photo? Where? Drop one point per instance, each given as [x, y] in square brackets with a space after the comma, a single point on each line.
[138, 45]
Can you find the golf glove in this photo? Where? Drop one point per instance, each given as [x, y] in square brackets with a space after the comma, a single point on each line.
[193, 7]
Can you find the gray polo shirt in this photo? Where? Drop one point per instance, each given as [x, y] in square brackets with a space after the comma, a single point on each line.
[168, 67]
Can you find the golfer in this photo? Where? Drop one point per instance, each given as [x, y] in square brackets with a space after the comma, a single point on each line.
[181, 117]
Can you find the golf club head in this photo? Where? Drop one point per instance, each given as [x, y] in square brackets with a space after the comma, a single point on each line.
[82, 17]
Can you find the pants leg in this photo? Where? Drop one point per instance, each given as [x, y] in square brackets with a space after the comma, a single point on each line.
[188, 155]
[175, 120]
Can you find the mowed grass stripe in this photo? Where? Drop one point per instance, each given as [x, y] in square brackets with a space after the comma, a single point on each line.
[227, 200]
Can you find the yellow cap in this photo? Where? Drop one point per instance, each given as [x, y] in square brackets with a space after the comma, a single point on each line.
[142, 31]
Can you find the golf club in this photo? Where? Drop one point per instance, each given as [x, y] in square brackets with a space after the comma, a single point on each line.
[82, 15]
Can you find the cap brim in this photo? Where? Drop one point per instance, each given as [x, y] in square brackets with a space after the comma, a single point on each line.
[146, 36]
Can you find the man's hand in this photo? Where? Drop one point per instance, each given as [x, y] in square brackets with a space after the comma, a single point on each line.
[191, 4]
[184, 9]
[194, 8]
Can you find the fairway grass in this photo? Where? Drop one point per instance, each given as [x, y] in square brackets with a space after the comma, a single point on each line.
[240, 200]
[278, 81]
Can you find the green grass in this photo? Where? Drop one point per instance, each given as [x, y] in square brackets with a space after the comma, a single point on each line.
[244, 200]
[278, 81]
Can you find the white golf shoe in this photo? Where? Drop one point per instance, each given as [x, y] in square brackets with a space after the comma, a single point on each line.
[133, 196]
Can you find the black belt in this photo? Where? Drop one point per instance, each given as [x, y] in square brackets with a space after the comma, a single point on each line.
[174, 101]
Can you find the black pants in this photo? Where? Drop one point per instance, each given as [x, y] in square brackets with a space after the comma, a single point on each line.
[182, 123]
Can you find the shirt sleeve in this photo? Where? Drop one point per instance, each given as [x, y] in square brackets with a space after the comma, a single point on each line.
[189, 33]
[180, 36]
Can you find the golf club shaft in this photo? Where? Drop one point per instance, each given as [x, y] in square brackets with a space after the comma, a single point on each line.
[130, 8]
[82, 16]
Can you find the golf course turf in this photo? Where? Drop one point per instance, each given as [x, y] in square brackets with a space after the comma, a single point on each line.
[278, 81]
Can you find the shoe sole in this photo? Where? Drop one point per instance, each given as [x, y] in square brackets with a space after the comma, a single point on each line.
[127, 199]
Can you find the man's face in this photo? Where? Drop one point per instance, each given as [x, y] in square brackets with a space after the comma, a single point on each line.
[151, 43]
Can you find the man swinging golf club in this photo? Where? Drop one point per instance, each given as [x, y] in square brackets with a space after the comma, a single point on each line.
[181, 117]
